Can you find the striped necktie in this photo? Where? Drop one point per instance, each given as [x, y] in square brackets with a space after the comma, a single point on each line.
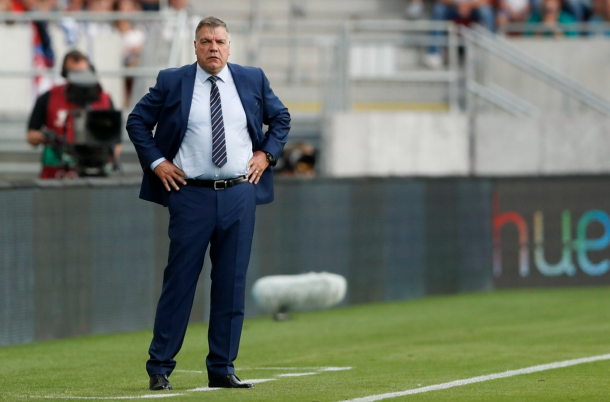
[219, 148]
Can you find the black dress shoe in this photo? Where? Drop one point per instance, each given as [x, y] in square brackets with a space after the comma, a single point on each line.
[159, 382]
[228, 381]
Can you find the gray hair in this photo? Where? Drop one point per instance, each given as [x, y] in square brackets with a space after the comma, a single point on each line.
[211, 22]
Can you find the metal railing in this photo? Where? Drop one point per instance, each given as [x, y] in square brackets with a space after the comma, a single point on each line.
[536, 29]
[478, 39]
[142, 17]
[414, 34]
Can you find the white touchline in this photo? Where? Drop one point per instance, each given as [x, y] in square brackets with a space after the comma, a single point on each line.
[260, 380]
[109, 397]
[275, 368]
[201, 389]
[257, 381]
[459, 383]
[335, 368]
[322, 368]
[295, 374]
[151, 396]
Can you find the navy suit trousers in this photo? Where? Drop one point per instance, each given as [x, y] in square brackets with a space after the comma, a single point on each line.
[199, 216]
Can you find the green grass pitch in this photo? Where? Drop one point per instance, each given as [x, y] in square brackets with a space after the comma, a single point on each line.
[390, 346]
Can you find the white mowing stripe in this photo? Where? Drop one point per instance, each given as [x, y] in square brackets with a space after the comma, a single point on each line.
[459, 383]
[295, 374]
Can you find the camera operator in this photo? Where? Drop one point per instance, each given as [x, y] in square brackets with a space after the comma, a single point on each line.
[51, 121]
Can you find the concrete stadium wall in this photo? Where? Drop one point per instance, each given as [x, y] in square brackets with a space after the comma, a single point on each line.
[550, 145]
[395, 144]
[20, 89]
[438, 145]
[88, 257]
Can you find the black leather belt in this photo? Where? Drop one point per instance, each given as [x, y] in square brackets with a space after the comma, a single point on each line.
[216, 184]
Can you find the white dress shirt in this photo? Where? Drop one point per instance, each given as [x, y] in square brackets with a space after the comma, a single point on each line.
[194, 157]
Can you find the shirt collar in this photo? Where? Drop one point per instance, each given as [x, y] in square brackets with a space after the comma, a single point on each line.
[203, 75]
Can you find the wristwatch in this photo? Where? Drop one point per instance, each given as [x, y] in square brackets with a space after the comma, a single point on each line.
[270, 159]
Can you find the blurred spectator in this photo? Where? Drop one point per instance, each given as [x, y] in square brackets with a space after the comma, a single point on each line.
[462, 11]
[599, 11]
[175, 6]
[149, 5]
[6, 6]
[601, 15]
[76, 5]
[550, 17]
[44, 57]
[96, 28]
[297, 160]
[133, 40]
[576, 8]
[415, 9]
[512, 11]
[178, 5]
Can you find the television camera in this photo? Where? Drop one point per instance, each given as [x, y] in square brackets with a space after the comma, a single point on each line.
[95, 133]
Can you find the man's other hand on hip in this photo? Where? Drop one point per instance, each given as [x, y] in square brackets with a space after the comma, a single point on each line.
[170, 175]
[257, 166]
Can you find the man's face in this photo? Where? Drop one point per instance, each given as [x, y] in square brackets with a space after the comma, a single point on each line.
[73, 65]
[212, 48]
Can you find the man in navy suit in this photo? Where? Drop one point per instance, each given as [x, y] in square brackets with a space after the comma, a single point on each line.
[210, 163]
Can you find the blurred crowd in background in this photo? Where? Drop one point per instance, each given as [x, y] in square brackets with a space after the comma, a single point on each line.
[496, 14]
[554, 18]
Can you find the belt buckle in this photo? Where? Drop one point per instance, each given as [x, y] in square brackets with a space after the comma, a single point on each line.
[224, 182]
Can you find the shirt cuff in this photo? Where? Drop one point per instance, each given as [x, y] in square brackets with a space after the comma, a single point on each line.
[156, 163]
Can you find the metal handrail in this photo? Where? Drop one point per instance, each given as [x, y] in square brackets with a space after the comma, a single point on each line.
[123, 72]
[535, 27]
[501, 48]
[57, 16]
[339, 90]
[504, 100]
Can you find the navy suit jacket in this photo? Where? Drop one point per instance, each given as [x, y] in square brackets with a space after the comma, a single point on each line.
[168, 104]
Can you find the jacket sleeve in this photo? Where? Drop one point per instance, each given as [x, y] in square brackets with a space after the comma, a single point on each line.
[277, 117]
[142, 121]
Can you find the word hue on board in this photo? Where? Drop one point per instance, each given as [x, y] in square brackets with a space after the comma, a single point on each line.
[578, 247]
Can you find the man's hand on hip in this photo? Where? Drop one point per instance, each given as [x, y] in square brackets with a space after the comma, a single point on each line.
[170, 175]
[257, 166]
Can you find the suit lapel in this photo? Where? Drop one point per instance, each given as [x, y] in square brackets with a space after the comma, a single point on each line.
[188, 85]
[241, 84]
